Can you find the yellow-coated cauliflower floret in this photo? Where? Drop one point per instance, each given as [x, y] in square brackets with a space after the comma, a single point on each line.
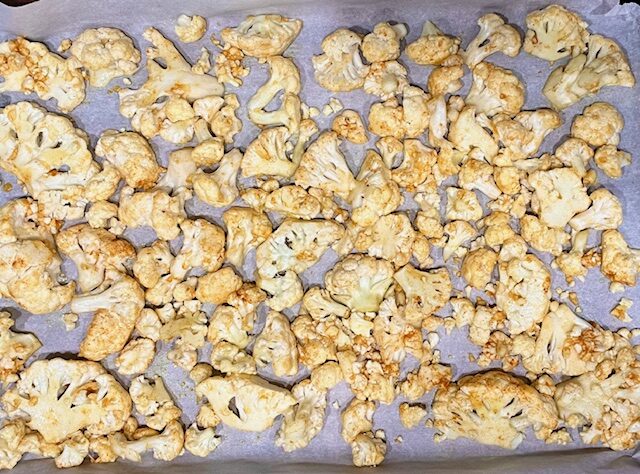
[495, 36]
[263, 36]
[425, 292]
[390, 238]
[433, 47]
[383, 43]
[541, 237]
[493, 408]
[305, 420]
[246, 229]
[190, 29]
[495, 90]
[599, 124]
[416, 167]
[229, 68]
[217, 286]
[276, 344]
[200, 442]
[554, 33]
[368, 450]
[620, 263]
[463, 204]
[477, 267]
[466, 134]
[386, 119]
[155, 209]
[219, 189]
[523, 135]
[136, 357]
[28, 67]
[605, 212]
[348, 125]
[340, 67]
[576, 153]
[611, 160]
[15, 349]
[386, 79]
[203, 246]
[105, 54]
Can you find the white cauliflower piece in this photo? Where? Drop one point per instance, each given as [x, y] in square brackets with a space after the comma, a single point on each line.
[61, 397]
[230, 359]
[386, 79]
[228, 67]
[476, 174]
[219, 189]
[611, 160]
[216, 287]
[383, 43]
[318, 303]
[136, 357]
[263, 36]
[245, 402]
[73, 451]
[199, 442]
[541, 237]
[493, 408]
[149, 397]
[276, 344]
[390, 238]
[246, 230]
[467, 134]
[462, 204]
[576, 153]
[15, 349]
[620, 263]
[348, 125]
[359, 282]
[290, 250]
[165, 446]
[416, 112]
[133, 157]
[293, 201]
[560, 195]
[495, 36]
[386, 119]
[326, 376]
[190, 29]
[105, 54]
[433, 47]
[523, 135]
[621, 310]
[477, 267]
[605, 212]
[425, 292]
[599, 124]
[305, 420]
[101, 214]
[323, 166]
[148, 324]
[153, 263]
[603, 64]
[340, 67]
[572, 263]
[28, 67]
[156, 209]
[368, 450]
[203, 246]
[267, 155]
[554, 33]
[416, 167]
[523, 292]
[410, 415]
[458, 234]
[495, 90]
[284, 79]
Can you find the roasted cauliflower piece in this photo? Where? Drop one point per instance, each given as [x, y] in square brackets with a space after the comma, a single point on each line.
[165, 446]
[60, 397]
[105, 54]
[603, 64]
[15, 349]
[605, 212]
[340, 67]
[467, 134]
[390, 238]
[541, 237]
[386, 79]
[368, 449]
[477, 267]
[495, 36]
[276, 344]
[611, 160]
[136, 357]
[156, 209]
[620, 264]
[246, 230]
[523, 135]
[262, 36]
[599, 124]
[190, 29]
[495, 90]
[383, 43]
[425, 292]
[28, 67]
[493, 408]
[302, 422]
[245, 402]
[348, 125]
[554, 33]
[200, 442]
[433, 47]
[219, 189]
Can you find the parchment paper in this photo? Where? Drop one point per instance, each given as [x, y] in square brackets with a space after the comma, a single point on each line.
[53, 20]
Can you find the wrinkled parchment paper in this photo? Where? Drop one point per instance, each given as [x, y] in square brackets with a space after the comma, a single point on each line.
[53, 20]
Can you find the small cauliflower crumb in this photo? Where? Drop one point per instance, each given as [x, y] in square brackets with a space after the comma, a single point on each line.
[190, 28]
[411, 415]
[621, 310]
[70, 321]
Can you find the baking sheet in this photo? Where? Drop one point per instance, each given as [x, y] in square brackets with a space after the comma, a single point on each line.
[53, 20]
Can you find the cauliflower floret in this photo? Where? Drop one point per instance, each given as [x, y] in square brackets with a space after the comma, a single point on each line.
[603, 64]
[148, 324]
[318, 339]
[462, 204]
[305, 420]
[152, 400]
[165, 446]
[263, 36]
[357, 418]
[284, 78]
[246, 230]
[493, 408]
[29, 275]
[523, 292]
[390, 238]
[554, 33]
[359, 281]
[425, 292]
[190, 29]
[319, 304]
[386, 79]
[560, 195]
[476, 174]
[620, 263]
[495, 90]
[458, 233]
[229, 68]
[215, 287]
[153, 263]
[101, 214]
[230, 359]
[410, 415]
[28, 67]
[368, 450]
[267, 155]
[576, 153]
[94, 251]
[73, 451]
[132, 156]
[117, 304]
[189, 330]
[276, 344]
[61, 397]
[386, 119]
[340, 68]
[477, 267]
[600, 124]
[467, 134]
[433, 47]
[105, 54]
[605, 212]
[416, 166]
[523, 135]
[348, 125]
[290, 250]
[323, 166]
[541, 237]
[611, 160]
[200, 442]
[416, 112]
[219, 189]
[383, 43]
[326, 376]
[620, 311]
[256, 403]
[156, 209]
[495, 36]
[15, 349]
[571, 263]
[293, 201]
[136, 357]
[203, 246]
